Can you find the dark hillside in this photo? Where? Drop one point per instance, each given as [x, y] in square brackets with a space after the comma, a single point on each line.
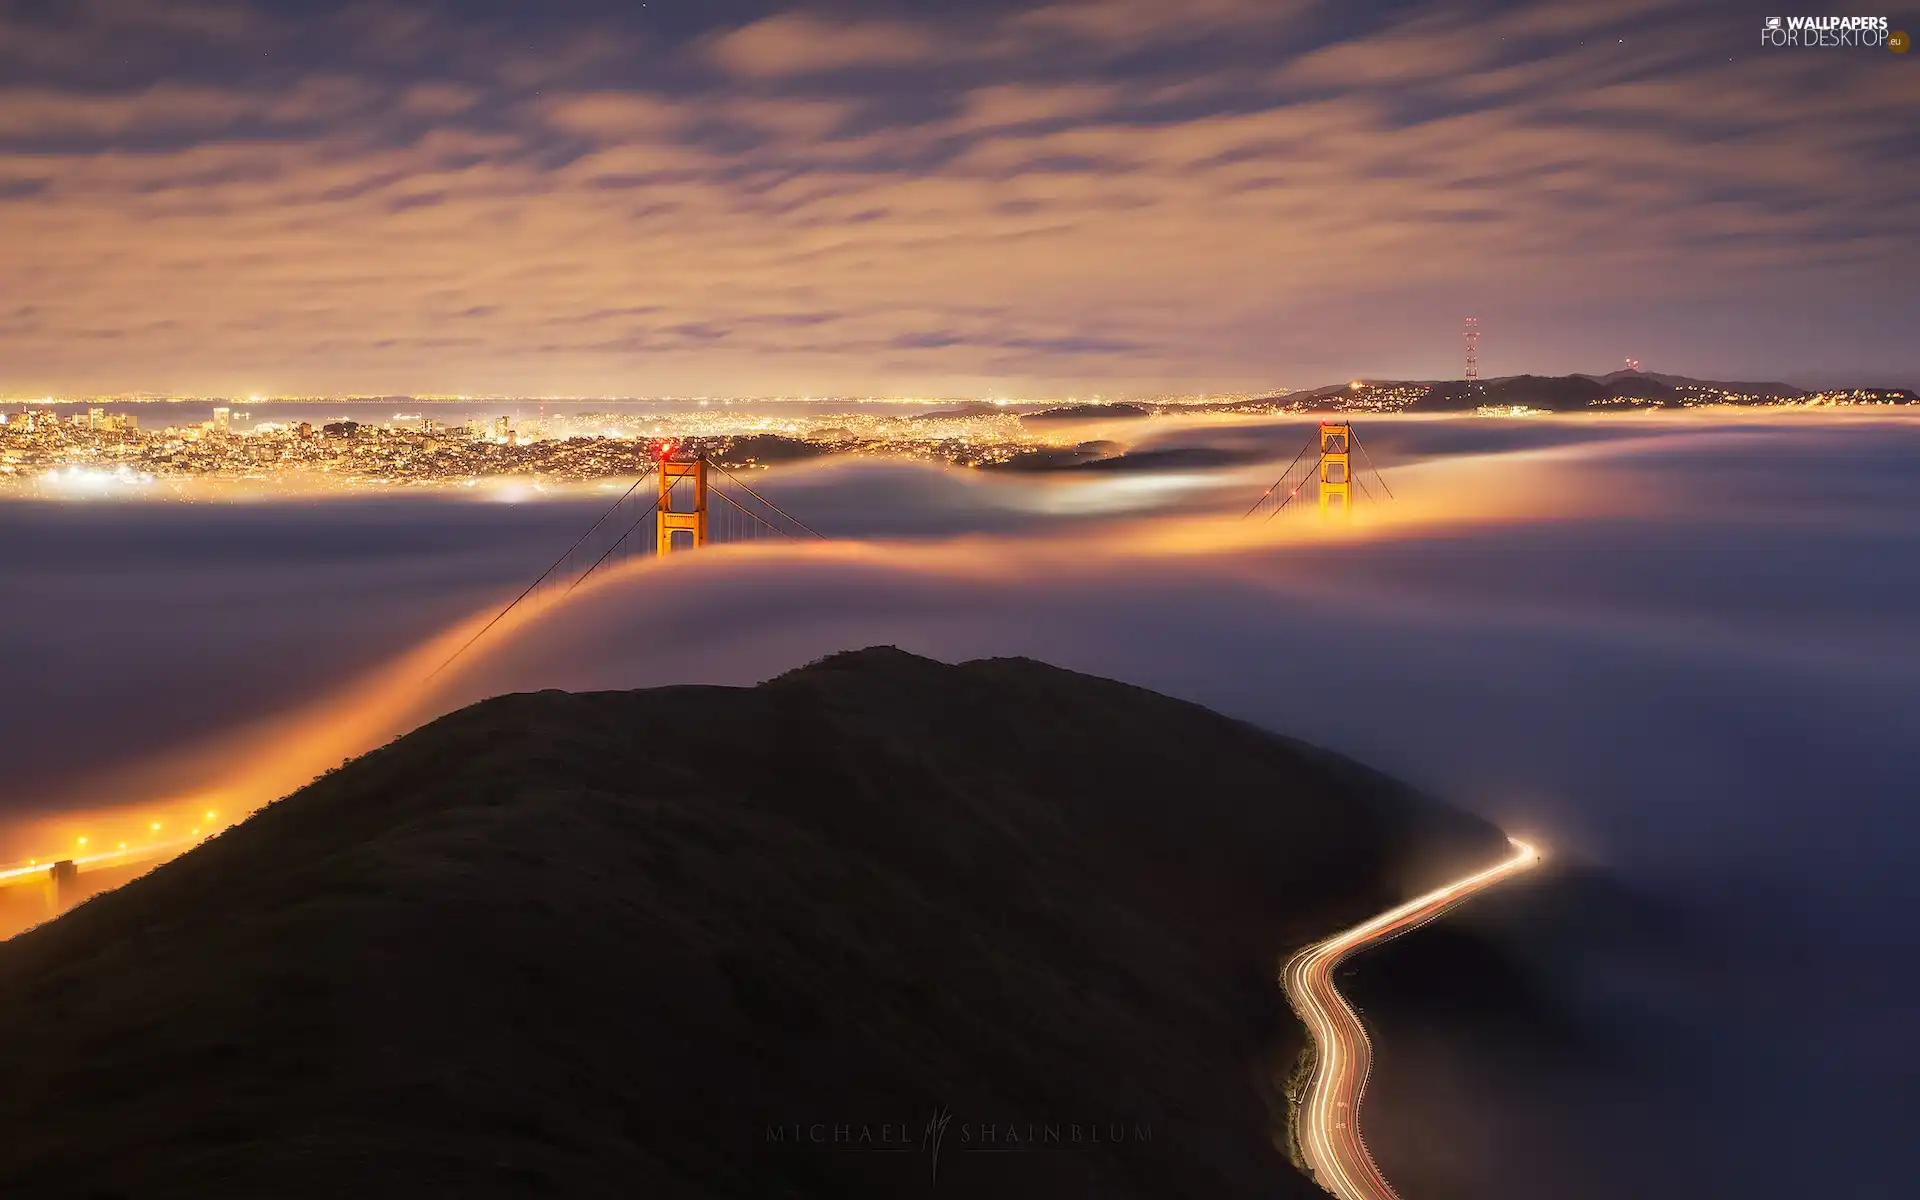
[1784, 391]
[1558, 393]
[596, 945]
[1090, 412]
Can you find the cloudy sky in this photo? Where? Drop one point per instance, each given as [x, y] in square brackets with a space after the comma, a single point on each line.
[997, 197]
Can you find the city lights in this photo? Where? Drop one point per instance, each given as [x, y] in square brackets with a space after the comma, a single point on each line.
[94, 453]
[99, 453]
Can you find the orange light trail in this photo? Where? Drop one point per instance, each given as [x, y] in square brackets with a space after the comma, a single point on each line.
[1328, 1132]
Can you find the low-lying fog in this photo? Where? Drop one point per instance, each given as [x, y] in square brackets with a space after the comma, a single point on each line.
[1683, 649]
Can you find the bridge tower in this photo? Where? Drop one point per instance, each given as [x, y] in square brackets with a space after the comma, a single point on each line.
[670, 520]
[1336, 468]
[63, 886]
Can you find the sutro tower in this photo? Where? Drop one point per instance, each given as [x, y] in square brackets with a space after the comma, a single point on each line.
[1473, 353]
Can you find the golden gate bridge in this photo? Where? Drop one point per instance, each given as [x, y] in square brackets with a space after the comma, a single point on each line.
[695, 502]
[1332, 470]
[675, 515]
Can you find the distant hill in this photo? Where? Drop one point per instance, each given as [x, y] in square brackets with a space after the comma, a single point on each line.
[1560, 393]
[1113, 458]
[1779, 390]
[756, 449]
[1060, 458]
[1553, 393]
[1090, 412]
[977, 409]
[598, 945]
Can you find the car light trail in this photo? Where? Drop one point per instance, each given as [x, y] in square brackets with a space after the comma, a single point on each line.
[1328, 1129]
[37, 870]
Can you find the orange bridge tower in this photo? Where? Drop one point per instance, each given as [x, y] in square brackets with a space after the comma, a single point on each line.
[671, 521]
[1336, 468]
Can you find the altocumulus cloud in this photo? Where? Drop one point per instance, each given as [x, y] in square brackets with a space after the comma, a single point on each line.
[1093, 191]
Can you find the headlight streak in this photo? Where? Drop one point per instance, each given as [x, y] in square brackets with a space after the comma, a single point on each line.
[1328, 1132]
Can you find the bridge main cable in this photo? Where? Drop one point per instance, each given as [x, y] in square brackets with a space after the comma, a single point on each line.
[554, 566]
[762, 499]
[755, 517]
[617, 543]
[1295, 493]
[1382, 479]
[1281, 480]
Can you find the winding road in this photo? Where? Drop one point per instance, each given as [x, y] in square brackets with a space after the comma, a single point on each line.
[1328, 1130]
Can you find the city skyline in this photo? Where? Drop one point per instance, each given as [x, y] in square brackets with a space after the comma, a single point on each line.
[882, 199]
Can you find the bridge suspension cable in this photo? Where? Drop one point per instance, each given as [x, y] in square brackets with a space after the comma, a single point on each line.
[1377, 476]
[1295, 490]
[618, 542]
[668, 519]
[1332, 467]
[1292, 491]
[548, 573]
[762, 499]
[754, 521]
[1276, 483]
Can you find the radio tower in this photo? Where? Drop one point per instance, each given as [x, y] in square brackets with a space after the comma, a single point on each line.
[1473, 354]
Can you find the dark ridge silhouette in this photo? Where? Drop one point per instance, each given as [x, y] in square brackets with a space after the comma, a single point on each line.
[753, 449]
[977, 409]
[1173, 458]
[1090, 412]
[1769, 389]
[606, 944]
[1059, 458]
[1557, 393]
[1110, 457]
[762, 448]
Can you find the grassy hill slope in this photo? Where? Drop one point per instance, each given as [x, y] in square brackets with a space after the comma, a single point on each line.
[596, 945]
